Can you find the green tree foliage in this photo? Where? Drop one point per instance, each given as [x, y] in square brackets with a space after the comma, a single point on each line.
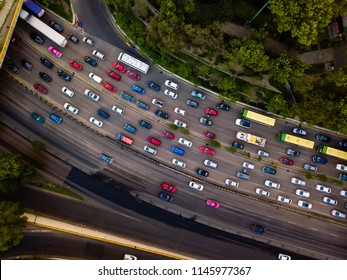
[279, 105]
[303, 19]
[339, 77]
[11, 225]
[227, 84]
[305, 83]
[341, 117]
[13, 172]
[260, 35]
[38, 146]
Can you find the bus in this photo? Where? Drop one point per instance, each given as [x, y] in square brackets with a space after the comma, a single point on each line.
[34, 8]
[332, 152]
[295, 140]
[133, 62]
[247, 114]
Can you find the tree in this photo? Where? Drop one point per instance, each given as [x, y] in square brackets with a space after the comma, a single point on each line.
[227, 83]
[279, 105]
[11, 224]
[304, 83]
[339, 77]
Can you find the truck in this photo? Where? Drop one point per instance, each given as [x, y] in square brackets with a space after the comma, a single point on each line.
[133, 62]
[43, 28]
[249, 138]
[34, 8]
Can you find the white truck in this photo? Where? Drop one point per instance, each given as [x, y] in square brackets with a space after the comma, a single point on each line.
[249, 138]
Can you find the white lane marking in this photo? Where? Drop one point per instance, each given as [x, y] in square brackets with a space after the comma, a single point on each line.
[68, 131]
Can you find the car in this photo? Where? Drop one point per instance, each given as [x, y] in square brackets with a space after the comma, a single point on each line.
[341, 167]
[258, 229]
[168, 187]
[150, 150]
[45, 77]
[297, 181]
[177, 150]
[310, 167]
[71, 108]
[138, 89]
[303, 193]
[236, 145]
[209, 134]
[192, 103]
[106, 158]
[338, 214]
[346, 205]
[64, 75]
[343, 143]
[171, 84]
[323, 188]
[271, 184]
[37, 38]
[153, 141]
[342, 177]
[206, 150]
[153, 86]
[210, 164]
[319, 159]
[129, 128]
[15, 69]
[247, 165]
[262, 153]
[109, 87]
[283, 199]
[145, 124]
[242, 175]
[212, 203]
[201, 172]
[179, 111]
[157, 103]
[168, 135]
[180, 124]
[73, 39]
[142, 105]
[98, 55]
[243, 123]
[93, 96]
[75, 65]
[170, 93]
[90, 61]
[26, 64]
[46, 62]
[165, 197]
[178, 163]
[133, 75]
[88, 41]
[56, 118]
[95, 78]
[322, 137]
[221, 105]
[269, 170]
[343, 193]
[40, 88]
[292, 152]
[262, 192]
[113, 75]
[329, 200]
[127, 97]
[211, 112]
[117, 110]
[119, 67]
[304, 204]
[286, 161]
[125, 139]
[54, 51]
[185, 142]
[103, 114]
[205, 121]
[96, 122]
[284, 257]
[198, 94]
[37, 117]
[231, 183]
[196, 186]
[56, 26]
[299, 131]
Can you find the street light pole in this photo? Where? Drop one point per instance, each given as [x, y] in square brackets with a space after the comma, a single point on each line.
[248, 22]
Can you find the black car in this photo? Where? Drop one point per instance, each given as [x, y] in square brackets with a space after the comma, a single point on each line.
[145, 124]
[223, 106]
[165, 197]
[37, 38]
[153, 86]
[13, 68]
[343, 143]
[64, 76]
[321, 137]
[201, 172]
[45, 77]
[46, 62]
[55, 26]
[161, 114]
[236, 145]
[142, 105]
[90, 61]
[206, 121]
[320, 160]
[269, 170]
[73, 39]
[192, 103]
[102, 114]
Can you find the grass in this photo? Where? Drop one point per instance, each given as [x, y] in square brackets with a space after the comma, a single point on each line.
[44, 184]
[60, 7]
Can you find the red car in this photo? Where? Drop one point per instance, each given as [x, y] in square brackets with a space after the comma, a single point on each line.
[40, 88]
[75, 65]
[209, 111]
[168, 135]
[133, 75]
[168, 187]
[113, 75]
[154, 141]
[212, 203]
[286, 161]
[109, 87]
[209, 134]
[207, 151]
[119, 67]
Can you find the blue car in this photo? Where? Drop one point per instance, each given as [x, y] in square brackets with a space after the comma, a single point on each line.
[142, 105]
[127, 97]
[138, 89]
[55, 118]
[269, 170]
[342, 177]
[103, 114]
[177, 151]
[153, 86]
[37, 117]
[320, 160]
[129, 128]
[106, 158]
[145, 124]
[258, 228]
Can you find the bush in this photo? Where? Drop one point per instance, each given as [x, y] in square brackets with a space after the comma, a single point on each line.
[321, 177]
[214, 143]
[173, 126]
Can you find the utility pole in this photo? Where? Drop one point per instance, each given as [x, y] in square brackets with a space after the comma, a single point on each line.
[249, 22]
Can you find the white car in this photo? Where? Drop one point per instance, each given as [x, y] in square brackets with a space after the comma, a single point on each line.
[180, 111]
[231, 183]
[98, 55]
[297, 181]
[302, 193]
[170, 94]
[171, 84]
[248, 165]
[271, 184]
[210, 164]
[262, 192]
[149, 150]
[343, 193]
[180, 124]
[96, 122]
[95, 78]
[71, 108]
[338, 214]
[67, 91]
[263, 153]
[323, 188]
[196, 186]
[304, 204]
[281, 198]
[284, 257]
[129, 257]
[178, 163]
[329, 200]
[118, 110]
[157, 102]
[341, 167]
[185, 142]
[91, 95]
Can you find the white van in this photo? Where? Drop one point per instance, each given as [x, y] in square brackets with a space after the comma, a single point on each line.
[95, 78]
[98, 55]
[171, 84]
[67, 91]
